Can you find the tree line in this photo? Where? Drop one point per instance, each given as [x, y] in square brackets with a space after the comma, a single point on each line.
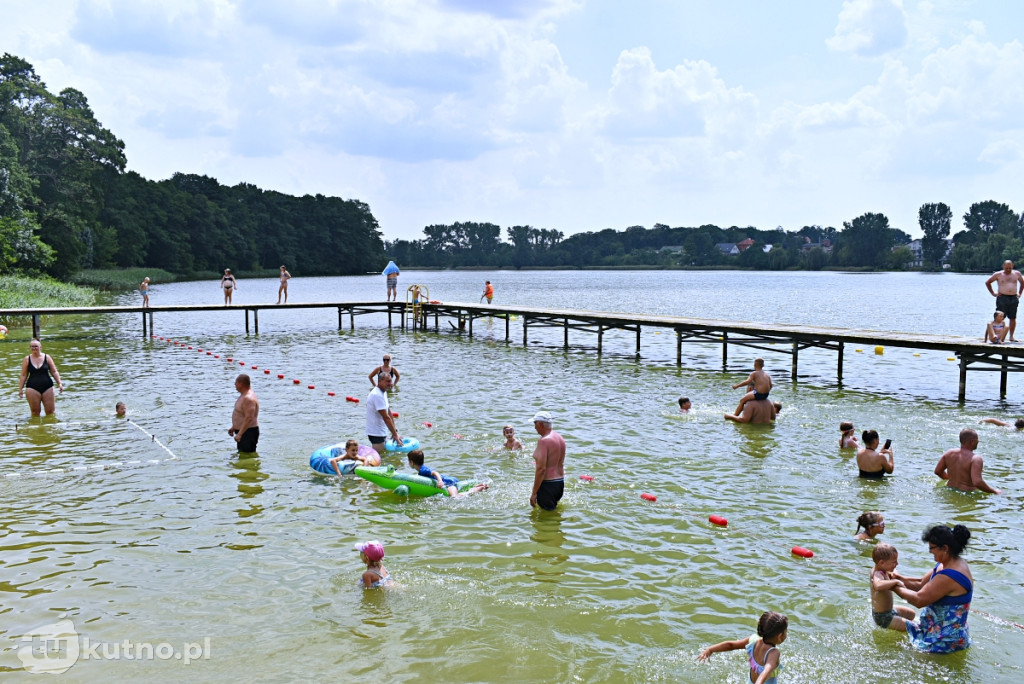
[67, 203]
[992, 233]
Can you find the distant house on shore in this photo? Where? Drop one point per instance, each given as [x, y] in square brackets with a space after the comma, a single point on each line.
[744, 244]
[728, 248]
[672, 249]
[825, 246]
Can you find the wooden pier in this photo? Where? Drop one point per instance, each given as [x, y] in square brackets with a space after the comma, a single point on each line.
[973, 355]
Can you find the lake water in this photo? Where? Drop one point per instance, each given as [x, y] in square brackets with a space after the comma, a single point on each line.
[255, 552]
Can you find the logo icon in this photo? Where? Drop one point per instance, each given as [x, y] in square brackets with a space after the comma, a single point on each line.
[50, 649]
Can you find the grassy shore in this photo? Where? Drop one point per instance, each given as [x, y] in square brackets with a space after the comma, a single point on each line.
[122, 279]
[20, 292]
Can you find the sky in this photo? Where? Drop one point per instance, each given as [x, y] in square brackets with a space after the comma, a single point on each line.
[572, 115]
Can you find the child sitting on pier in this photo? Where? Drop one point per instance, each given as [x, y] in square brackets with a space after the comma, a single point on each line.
[760, 384]
[882, 584]
[995, 331]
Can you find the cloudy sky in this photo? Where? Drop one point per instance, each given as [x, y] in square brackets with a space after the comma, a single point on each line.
[572, 115]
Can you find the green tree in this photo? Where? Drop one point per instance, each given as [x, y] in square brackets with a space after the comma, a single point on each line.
[866, 241]
[935, 220]
[990, 217]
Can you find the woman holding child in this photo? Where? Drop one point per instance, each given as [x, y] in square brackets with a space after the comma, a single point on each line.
[943, 595]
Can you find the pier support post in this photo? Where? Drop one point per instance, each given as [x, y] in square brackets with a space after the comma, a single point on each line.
[389, 317]
[470, 325]
[507, 317]
[679, 347]
[352, 318]
[725, 350]
[638, 340]
[339, 318]
[526, 324]
[796, 355]
[1002, 379]
[144, 332]
[35, 326]
[246, 321]
[839, 365]
[256, 321]
[436, 317]
[600, 338]
[565, 322]
[962, 394]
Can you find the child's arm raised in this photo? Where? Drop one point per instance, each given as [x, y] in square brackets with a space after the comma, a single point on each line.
[722, 647]
[748, 381]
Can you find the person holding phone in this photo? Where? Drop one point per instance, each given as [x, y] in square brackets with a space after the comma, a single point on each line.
[873, 463]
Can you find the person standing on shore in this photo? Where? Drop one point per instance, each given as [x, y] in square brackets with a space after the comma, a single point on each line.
[549, 458]
[285, 277]
[1011, 286]
[245, 426]
[229, 284]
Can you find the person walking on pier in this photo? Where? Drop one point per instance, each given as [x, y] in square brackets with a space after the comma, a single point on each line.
[245, 426]
[391, 272]
[283, 288]
[961, 467]
[1011, 287]
[229, 284]
[549, 458]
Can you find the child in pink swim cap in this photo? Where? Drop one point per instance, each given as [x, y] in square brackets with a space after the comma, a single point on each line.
[376, 575]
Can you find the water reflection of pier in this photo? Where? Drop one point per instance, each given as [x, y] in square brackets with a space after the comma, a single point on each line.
[972, 354]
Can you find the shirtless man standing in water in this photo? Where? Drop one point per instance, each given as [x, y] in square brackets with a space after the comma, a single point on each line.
[549, 459]
[1011, 287]
[961, 468]
[245, 426]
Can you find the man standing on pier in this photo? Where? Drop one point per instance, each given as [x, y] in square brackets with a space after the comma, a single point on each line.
[1011, 286]
[245, 426]
[549, 460]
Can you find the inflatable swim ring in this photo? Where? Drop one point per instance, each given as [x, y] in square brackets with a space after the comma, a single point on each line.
[3, 331]
[407, 445]
[320, 460]
[386, 477]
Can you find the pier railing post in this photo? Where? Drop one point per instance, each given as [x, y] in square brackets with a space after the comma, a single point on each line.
[839, 365]
[962, 395]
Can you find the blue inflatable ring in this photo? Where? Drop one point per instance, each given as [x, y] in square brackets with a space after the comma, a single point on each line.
[407, 445]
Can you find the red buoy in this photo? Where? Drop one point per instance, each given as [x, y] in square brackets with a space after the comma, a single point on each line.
[255, 367]
[230, 359]
[587, 478]
[190, 346]
[394, 414]
[349, 398]
[426, 424]
[209, 353]
[266, 372]
[457, 436]
[280, 376]
[311, 386]
[648, 497]
[296, 381]
[802, 552]
[330, 394]
[199, 350]
[216, 356]
[718, 520]
[241, 363]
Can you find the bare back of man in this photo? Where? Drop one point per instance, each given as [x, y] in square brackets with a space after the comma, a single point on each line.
[962, 468]
[758, 411]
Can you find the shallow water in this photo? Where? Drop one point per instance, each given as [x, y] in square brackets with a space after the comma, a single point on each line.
[255, 552]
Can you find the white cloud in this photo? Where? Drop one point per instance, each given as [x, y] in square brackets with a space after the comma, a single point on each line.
[869, 28]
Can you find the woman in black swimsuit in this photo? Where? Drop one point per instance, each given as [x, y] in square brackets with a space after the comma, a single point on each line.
[386, 367]
[36, 384]
[871, 463]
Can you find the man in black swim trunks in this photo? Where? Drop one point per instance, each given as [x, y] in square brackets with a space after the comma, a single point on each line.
[1011, 287]
[549, 457]
[244, 418]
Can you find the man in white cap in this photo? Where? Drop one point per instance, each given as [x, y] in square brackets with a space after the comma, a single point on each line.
[549, 456]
